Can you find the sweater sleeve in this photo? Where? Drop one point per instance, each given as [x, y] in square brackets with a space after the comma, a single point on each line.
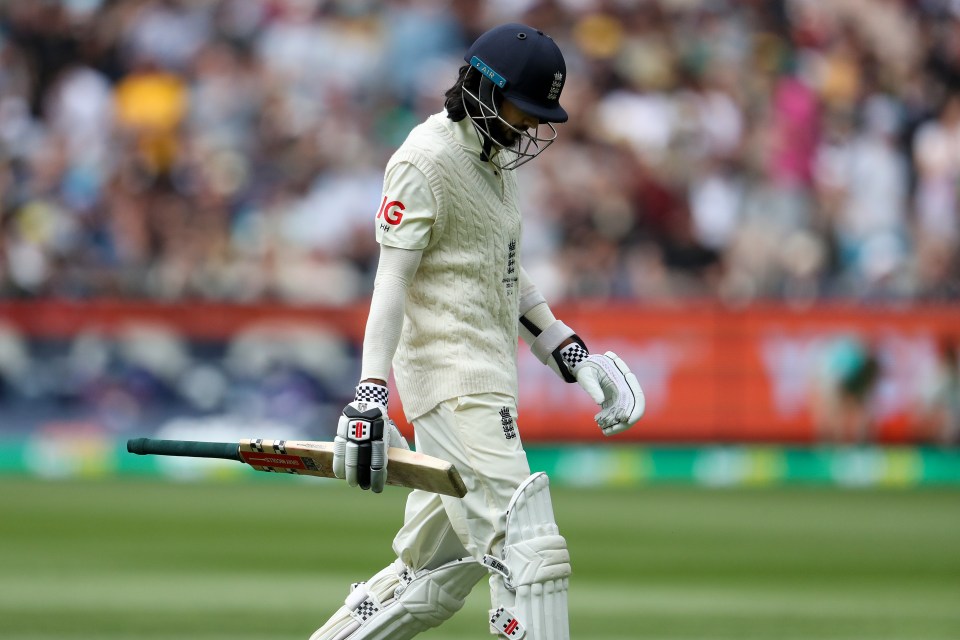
[408, 208]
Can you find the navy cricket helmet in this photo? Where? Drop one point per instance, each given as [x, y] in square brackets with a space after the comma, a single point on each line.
[526, 65]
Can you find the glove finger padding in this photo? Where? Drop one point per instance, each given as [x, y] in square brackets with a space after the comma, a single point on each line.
[357, 431]
[340, 450]
[364, 432]
[609, 381]
[378, 455]
[364, 435]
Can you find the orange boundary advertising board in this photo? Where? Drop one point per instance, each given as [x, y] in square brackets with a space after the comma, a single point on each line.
[763, 373]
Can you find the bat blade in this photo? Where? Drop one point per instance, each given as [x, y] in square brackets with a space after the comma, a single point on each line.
[315, 458]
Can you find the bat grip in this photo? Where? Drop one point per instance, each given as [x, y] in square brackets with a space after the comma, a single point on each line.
[148, 446]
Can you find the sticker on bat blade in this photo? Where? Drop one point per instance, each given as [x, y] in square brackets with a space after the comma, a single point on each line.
[277, 460]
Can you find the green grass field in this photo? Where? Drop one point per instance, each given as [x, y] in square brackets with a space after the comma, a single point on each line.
[134, 559]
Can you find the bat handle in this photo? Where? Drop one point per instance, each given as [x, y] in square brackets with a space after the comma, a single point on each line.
[149, 446]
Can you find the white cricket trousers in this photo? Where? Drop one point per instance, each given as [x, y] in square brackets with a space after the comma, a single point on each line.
[479, 434]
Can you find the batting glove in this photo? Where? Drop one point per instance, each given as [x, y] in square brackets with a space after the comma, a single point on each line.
[611, 384]
[364, 433]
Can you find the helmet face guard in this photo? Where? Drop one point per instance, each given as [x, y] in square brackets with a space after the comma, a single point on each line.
[526, 67]
[484, 114]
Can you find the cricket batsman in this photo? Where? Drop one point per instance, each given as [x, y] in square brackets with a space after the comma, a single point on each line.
[450, 300]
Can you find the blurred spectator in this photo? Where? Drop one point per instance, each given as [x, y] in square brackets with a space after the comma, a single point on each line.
[938, 417]
[937, 157]
[150, 108]
[870, 227]
[786, 149]
[843, 406]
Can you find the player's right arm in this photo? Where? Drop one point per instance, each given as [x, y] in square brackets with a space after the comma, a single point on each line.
[365, 431]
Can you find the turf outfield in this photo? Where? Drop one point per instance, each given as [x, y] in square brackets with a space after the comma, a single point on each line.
[126, 559]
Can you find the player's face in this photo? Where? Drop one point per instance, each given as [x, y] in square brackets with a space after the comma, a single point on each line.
[516, 118]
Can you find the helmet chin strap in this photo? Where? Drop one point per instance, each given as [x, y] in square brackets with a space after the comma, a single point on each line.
[487, 151]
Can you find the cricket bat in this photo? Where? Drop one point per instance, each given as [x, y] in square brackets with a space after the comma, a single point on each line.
[311, 458]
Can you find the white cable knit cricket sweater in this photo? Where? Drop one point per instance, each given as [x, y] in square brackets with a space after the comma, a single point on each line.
[461, 325]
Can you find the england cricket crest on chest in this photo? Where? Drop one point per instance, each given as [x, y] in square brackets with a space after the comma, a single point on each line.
[511, 275]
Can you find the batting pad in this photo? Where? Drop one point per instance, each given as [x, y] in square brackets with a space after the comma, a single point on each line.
[537, 568]
[398, 603]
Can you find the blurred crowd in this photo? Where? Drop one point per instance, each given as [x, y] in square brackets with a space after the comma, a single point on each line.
[233, 150]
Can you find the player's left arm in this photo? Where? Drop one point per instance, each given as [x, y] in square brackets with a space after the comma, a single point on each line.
[606, 377]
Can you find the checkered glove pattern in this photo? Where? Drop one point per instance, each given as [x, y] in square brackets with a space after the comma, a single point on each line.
[364, 434]
[573, 354]
[372, 392]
